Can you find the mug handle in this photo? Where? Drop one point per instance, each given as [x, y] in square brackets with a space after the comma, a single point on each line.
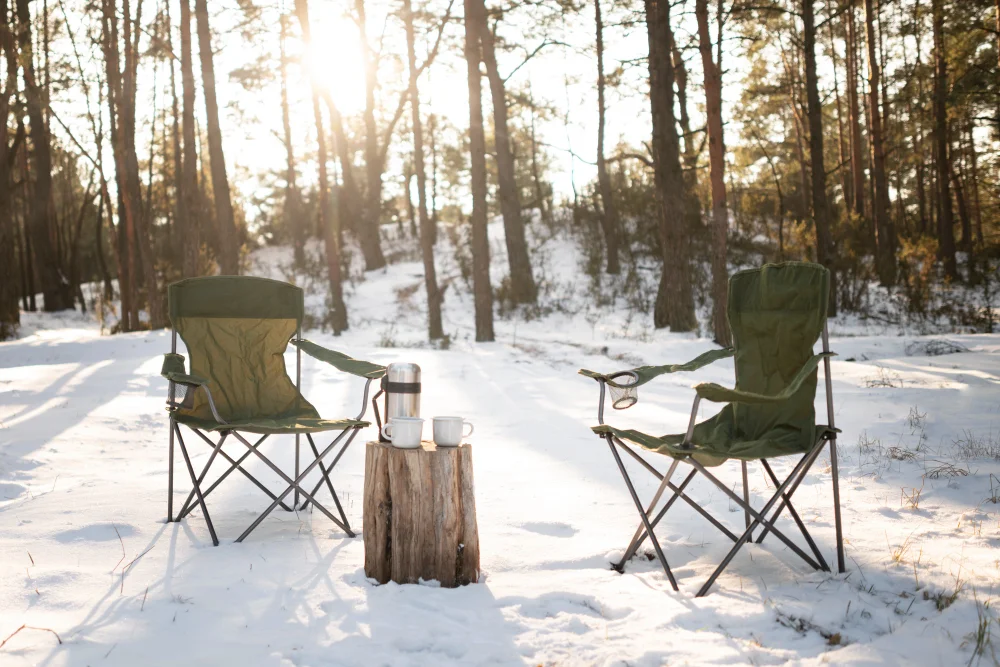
[386, 432]
[471, 429]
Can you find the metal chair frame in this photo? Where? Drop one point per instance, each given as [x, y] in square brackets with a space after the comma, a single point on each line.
[196, 497]
[752, 518]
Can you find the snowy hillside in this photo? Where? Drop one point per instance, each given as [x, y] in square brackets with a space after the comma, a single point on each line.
[85, 553]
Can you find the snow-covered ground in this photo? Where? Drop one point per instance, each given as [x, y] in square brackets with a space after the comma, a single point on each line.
[85, 552]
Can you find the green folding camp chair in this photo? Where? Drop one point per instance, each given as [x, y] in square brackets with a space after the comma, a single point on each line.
[776, 314]
[236, 330]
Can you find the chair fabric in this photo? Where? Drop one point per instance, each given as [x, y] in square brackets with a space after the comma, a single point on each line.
[274, 426]
[236, 329]
[776, 314]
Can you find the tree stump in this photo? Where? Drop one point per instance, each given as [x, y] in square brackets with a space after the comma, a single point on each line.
[420, 515]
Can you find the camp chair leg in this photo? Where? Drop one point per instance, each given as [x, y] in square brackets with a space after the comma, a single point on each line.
[787, 499]
[170, 473]
[235, 465]
[188, 506]
[758, 519]
[197, 488]
[292, 484]
[630, 550]
[761, 518]
[645, 519]
[746, 496]
[836, 505]
[329, 484]
[336, 459]
[636, 543]
[295, 498]
[791, 492]
[695, 506]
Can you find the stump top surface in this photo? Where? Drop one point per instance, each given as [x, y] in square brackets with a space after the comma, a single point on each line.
[426, 446]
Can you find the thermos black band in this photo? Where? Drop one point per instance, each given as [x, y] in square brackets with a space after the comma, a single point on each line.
[401, 387]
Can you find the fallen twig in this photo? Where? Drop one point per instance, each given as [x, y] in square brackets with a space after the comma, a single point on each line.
[122, 542]
[30, 627]
[126, 568]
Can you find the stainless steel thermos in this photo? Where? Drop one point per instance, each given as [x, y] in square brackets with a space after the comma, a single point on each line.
[401, 384]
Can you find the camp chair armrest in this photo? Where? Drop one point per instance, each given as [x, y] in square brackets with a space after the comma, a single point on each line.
[173, 369]
[710, 391]
[339, 360]
[644, 374]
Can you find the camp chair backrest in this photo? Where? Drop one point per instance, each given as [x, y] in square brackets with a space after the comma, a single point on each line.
[776, 314]
[236, 329]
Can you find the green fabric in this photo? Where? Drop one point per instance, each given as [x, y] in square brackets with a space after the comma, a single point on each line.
[776, 314]
[173, 370]
[719, 394]
[713, 452]
[243, 361]
[647, 373]
[274, 426]
[341, 361]
[240, 297]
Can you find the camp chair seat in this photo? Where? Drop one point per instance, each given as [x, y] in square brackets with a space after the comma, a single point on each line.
[274, 426]
[715, 453]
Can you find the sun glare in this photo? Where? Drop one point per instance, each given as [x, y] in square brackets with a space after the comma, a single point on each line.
[334, 58]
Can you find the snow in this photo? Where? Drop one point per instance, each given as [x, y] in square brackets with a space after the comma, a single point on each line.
[84, 549]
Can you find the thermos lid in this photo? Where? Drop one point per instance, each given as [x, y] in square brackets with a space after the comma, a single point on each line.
[402, 372]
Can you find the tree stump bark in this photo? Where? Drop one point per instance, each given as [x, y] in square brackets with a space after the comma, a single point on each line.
[420, 515]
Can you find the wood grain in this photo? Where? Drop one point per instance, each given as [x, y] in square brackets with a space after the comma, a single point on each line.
[420, 515]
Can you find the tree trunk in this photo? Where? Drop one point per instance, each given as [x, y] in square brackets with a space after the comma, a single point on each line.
[965, 220]
[329, 228]
[190, 226]
[946, 231]
[974, 158]
[368, 232]
[293, 198]
[124, 233]
[918, 122]
[434, 328]
[54, 284]
[857, 204]
[885, 247]
[180, 224]
[482, 289]
[126, 105]
[845, 182]
[717, 170]
[420, 515]
[432, 131]
[229, 247]
[820, 204]
[522, 282]
[674, 299]
[10, 313]
[689, 155]
[609, 214]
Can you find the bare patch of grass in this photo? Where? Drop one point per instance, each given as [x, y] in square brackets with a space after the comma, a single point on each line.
[884, 378]
[971, 445]
[910, 498]
[981, 638]
[901, 454]
[946, 470]
[897, 554]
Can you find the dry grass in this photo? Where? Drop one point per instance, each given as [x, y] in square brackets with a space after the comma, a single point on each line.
[883, 378]
[971, 446]
[910, 498]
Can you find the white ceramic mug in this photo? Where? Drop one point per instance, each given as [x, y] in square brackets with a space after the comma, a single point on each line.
[404, 431]
[448, 431]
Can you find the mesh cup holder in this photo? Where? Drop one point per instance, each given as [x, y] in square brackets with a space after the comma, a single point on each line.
[624, 389]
